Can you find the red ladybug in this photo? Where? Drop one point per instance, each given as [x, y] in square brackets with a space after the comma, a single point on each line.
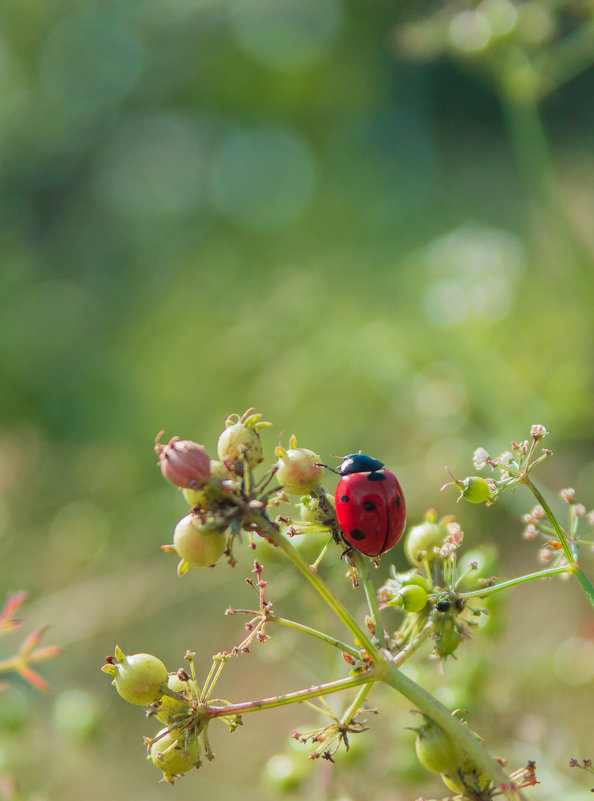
[370, 505]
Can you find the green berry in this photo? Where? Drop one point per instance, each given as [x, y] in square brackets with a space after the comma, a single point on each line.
[237, 443]
[414, 598]
[175, 753]
[476, 489]
[203, 496]
[285, 773]
[412, 577]
[448, 640]
[436, 750]
[139, 678]
[464, 778]
[421, 540]
[298, 470]
[197, 543]
[169, 706]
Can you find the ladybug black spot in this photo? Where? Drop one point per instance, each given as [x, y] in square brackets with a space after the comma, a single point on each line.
[357, 534]
[376, 476]
[344, 498]
[369, 506]
[443, 606]
[398, 501]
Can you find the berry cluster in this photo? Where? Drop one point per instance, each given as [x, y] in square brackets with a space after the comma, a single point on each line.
[365, 517]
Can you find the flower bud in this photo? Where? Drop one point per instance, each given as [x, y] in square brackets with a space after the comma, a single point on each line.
[184, 463]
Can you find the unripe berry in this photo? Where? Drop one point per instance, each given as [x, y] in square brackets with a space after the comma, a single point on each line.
[174, 753]
[436, 750]
[169, 706]
[298, 470]
[413, 597]
[183, 462]
[139, 678]
[448, 640]
[421, 540]
[204, 495]
[285, 773]
[197, 542]
[464, 778]
[477, 489]
[412, 577]
[239, 442]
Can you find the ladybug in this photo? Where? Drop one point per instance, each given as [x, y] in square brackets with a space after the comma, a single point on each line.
[370, 505]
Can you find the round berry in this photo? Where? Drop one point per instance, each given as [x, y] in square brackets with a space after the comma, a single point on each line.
[477, 489]
[448, 640]
[203, 496]
[175, 753]
[421, 540]
[299, 470]
[285, 773]
[169, 706]
[464, 778]
[237, 443]
[197, 543]
[436, 750]
[414, 598]
[140, 678]
[412, 577]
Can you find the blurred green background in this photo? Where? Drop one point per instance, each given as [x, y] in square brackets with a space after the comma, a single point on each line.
[372, 221]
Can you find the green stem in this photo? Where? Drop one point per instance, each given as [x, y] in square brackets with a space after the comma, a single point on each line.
[292, 624]
[551, 571]
[585, 584]
[350, 713]
[432, 709]
[553, 520]
[371, 596]
[294, 697]
[571, 56]
[266, 528]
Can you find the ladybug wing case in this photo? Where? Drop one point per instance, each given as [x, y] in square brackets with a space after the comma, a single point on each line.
[371, 511]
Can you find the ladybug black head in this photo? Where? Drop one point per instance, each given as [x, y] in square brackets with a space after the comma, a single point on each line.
[359, 463]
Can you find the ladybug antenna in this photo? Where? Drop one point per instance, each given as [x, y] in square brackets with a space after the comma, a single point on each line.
[327, 467]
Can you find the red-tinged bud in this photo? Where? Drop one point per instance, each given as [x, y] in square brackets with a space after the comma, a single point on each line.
[184, 463]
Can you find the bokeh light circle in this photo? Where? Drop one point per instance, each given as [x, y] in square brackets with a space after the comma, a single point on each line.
[263, 178]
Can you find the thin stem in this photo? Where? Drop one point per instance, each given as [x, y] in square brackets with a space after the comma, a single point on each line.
[572, 55]
[292, 624]
[415, 644]
[351, 711]
[558, 530]
[431, 707]
[271, 532]
[293, 697]
[371, 596]
[551, 571]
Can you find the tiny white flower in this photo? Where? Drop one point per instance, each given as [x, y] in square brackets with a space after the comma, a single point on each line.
[479, 458]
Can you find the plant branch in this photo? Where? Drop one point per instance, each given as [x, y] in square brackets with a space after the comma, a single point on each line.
[366, 678]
